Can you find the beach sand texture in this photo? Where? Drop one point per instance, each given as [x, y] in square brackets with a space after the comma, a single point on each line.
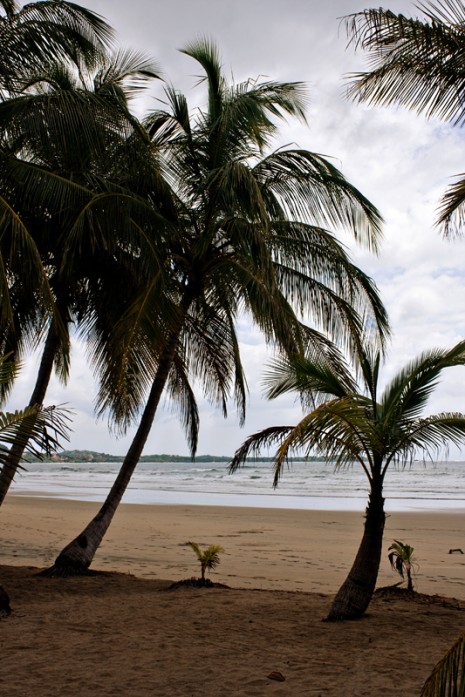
[125, 634]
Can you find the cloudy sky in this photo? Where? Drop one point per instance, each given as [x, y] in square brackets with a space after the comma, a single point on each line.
[401, 162]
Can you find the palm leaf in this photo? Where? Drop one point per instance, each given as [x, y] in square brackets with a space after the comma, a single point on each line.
[37, 429]
[448, 676]
[452, 209]
[416, 63]
[419, 64]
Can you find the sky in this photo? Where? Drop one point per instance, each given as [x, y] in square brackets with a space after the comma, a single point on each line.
[399, 160]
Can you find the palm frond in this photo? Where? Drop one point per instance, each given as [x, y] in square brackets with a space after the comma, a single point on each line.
[129, 70]
[253, 444]
[452, 208]
[184, 400]
[311, 189]
[41, 32]
[316, 378]
[37, 429]
[405, 397]
[415, 63]
[448, 676]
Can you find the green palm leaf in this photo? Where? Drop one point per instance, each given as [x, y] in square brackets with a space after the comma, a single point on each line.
[417, 63]
[448, 676]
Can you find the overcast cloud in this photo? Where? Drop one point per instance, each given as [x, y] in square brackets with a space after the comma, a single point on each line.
[401, 162]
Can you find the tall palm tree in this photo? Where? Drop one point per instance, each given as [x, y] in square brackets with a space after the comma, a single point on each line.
[66, 151]
[245, 235]
[417, 63]
[352, 425]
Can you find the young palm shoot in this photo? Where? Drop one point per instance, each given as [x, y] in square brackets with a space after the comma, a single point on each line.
[401, 560]
[208, 558]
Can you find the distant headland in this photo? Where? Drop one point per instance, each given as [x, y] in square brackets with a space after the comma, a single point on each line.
[92, 456]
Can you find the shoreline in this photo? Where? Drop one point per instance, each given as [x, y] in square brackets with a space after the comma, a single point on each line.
[277, 501]
[265, 548]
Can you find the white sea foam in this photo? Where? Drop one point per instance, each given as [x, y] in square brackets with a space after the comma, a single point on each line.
[304, 485]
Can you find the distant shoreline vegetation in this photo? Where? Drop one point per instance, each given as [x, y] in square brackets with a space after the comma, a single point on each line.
[92, 456]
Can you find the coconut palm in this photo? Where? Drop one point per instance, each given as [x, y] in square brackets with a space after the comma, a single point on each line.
[417, 63]
[352, 425]
[41, 32]
[401, 559]
[68, 145]
[209, 558]
[246, 234]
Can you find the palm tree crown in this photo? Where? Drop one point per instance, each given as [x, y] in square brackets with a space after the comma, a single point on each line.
[246, 233]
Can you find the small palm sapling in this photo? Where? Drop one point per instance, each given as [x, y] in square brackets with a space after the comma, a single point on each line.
[401, 560]
[208, 558]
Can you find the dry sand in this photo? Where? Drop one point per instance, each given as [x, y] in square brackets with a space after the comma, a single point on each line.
[121, 633]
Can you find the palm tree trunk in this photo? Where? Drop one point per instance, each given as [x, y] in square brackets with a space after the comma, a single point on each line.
[11, 465]
[77, 556]
[356, 592]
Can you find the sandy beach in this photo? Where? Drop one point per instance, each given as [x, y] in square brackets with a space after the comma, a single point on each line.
[122, 633]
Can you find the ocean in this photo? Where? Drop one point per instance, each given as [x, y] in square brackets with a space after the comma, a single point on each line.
[304, 485]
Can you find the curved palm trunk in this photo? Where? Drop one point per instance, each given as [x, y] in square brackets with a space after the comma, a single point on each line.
[11, 465]
[77, 556]
[356, 592]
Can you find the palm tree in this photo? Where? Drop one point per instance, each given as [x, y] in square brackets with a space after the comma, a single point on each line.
[67, 149]
[349, 425]
[417, 63]
[401, 560]
[42, 32]
[209, 558]
[246, 234]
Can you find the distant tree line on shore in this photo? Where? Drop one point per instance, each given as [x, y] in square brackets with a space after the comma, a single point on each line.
[93, 456]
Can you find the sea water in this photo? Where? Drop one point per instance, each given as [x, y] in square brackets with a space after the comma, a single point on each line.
[303, 485]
